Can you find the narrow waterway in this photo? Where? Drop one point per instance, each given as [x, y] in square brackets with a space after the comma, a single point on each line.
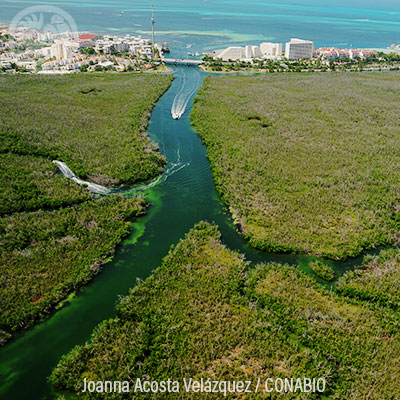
[183, 196]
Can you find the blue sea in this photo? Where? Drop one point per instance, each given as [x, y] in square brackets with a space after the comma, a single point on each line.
[203, 25]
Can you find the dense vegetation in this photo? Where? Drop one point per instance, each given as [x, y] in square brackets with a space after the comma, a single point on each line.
[94, 123]
[323, 271]
[31, 183]
[306, 163]
[204, 314]
[54, 235]
[377, 281]
[44, 255]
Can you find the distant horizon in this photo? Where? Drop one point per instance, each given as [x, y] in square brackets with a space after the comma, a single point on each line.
[209, 26]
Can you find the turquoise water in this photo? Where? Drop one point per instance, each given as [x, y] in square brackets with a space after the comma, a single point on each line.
[211, 24]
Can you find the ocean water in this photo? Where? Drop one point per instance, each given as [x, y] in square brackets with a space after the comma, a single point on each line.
[203, 25]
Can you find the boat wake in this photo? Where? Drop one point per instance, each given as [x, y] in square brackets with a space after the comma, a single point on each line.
[170, 170]
[183, 97]
[93, 187]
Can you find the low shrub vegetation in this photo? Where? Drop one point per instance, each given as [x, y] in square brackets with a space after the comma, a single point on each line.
[377, 281]
[94, 123]
[306, 163]
[32, 183]
[323, 271]
[54, 234]
[204, 314]
[45, 255]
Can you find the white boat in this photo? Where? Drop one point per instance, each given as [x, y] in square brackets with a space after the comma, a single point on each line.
[177, 115]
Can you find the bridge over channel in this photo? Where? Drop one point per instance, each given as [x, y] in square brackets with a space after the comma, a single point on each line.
[177, 61]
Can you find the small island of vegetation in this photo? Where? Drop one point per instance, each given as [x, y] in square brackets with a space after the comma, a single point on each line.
[323, 271]
[306, 163]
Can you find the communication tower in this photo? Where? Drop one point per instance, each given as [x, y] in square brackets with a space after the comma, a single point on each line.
[153, 22]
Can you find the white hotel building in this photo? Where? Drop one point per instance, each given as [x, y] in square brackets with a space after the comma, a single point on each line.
[248, 53]
[271, 50]
[298, 49]
[295, 49]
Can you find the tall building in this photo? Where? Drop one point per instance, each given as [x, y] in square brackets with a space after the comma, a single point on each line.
[232, 53]
[60, 51]
[240, 53]
[249, 52]
[252, 52]
[57, 51]
[44, 36]
[298, 48]
[271, 50]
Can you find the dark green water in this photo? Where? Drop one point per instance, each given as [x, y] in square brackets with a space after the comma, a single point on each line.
[183, 196]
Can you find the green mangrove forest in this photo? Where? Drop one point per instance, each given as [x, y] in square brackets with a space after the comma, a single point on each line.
[376, 281]
[205, 314]
[95, 123]
[306, 162]
[54, 234]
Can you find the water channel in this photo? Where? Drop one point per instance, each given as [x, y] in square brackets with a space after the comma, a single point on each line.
[184, 195]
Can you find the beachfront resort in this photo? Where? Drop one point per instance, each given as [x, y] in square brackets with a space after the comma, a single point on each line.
[295, 49]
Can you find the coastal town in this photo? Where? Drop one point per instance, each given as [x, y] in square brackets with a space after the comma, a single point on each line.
[24, 50]
[32, 51]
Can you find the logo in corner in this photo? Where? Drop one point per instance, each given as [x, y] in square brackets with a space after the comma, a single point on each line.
[44, 18]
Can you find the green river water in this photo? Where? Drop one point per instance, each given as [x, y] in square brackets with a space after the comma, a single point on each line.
[181, 197]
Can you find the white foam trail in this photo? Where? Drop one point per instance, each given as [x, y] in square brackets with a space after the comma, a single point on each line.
[93, 187]
[173, 169]
[182, 99]
[176, 109]
[191, 94]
